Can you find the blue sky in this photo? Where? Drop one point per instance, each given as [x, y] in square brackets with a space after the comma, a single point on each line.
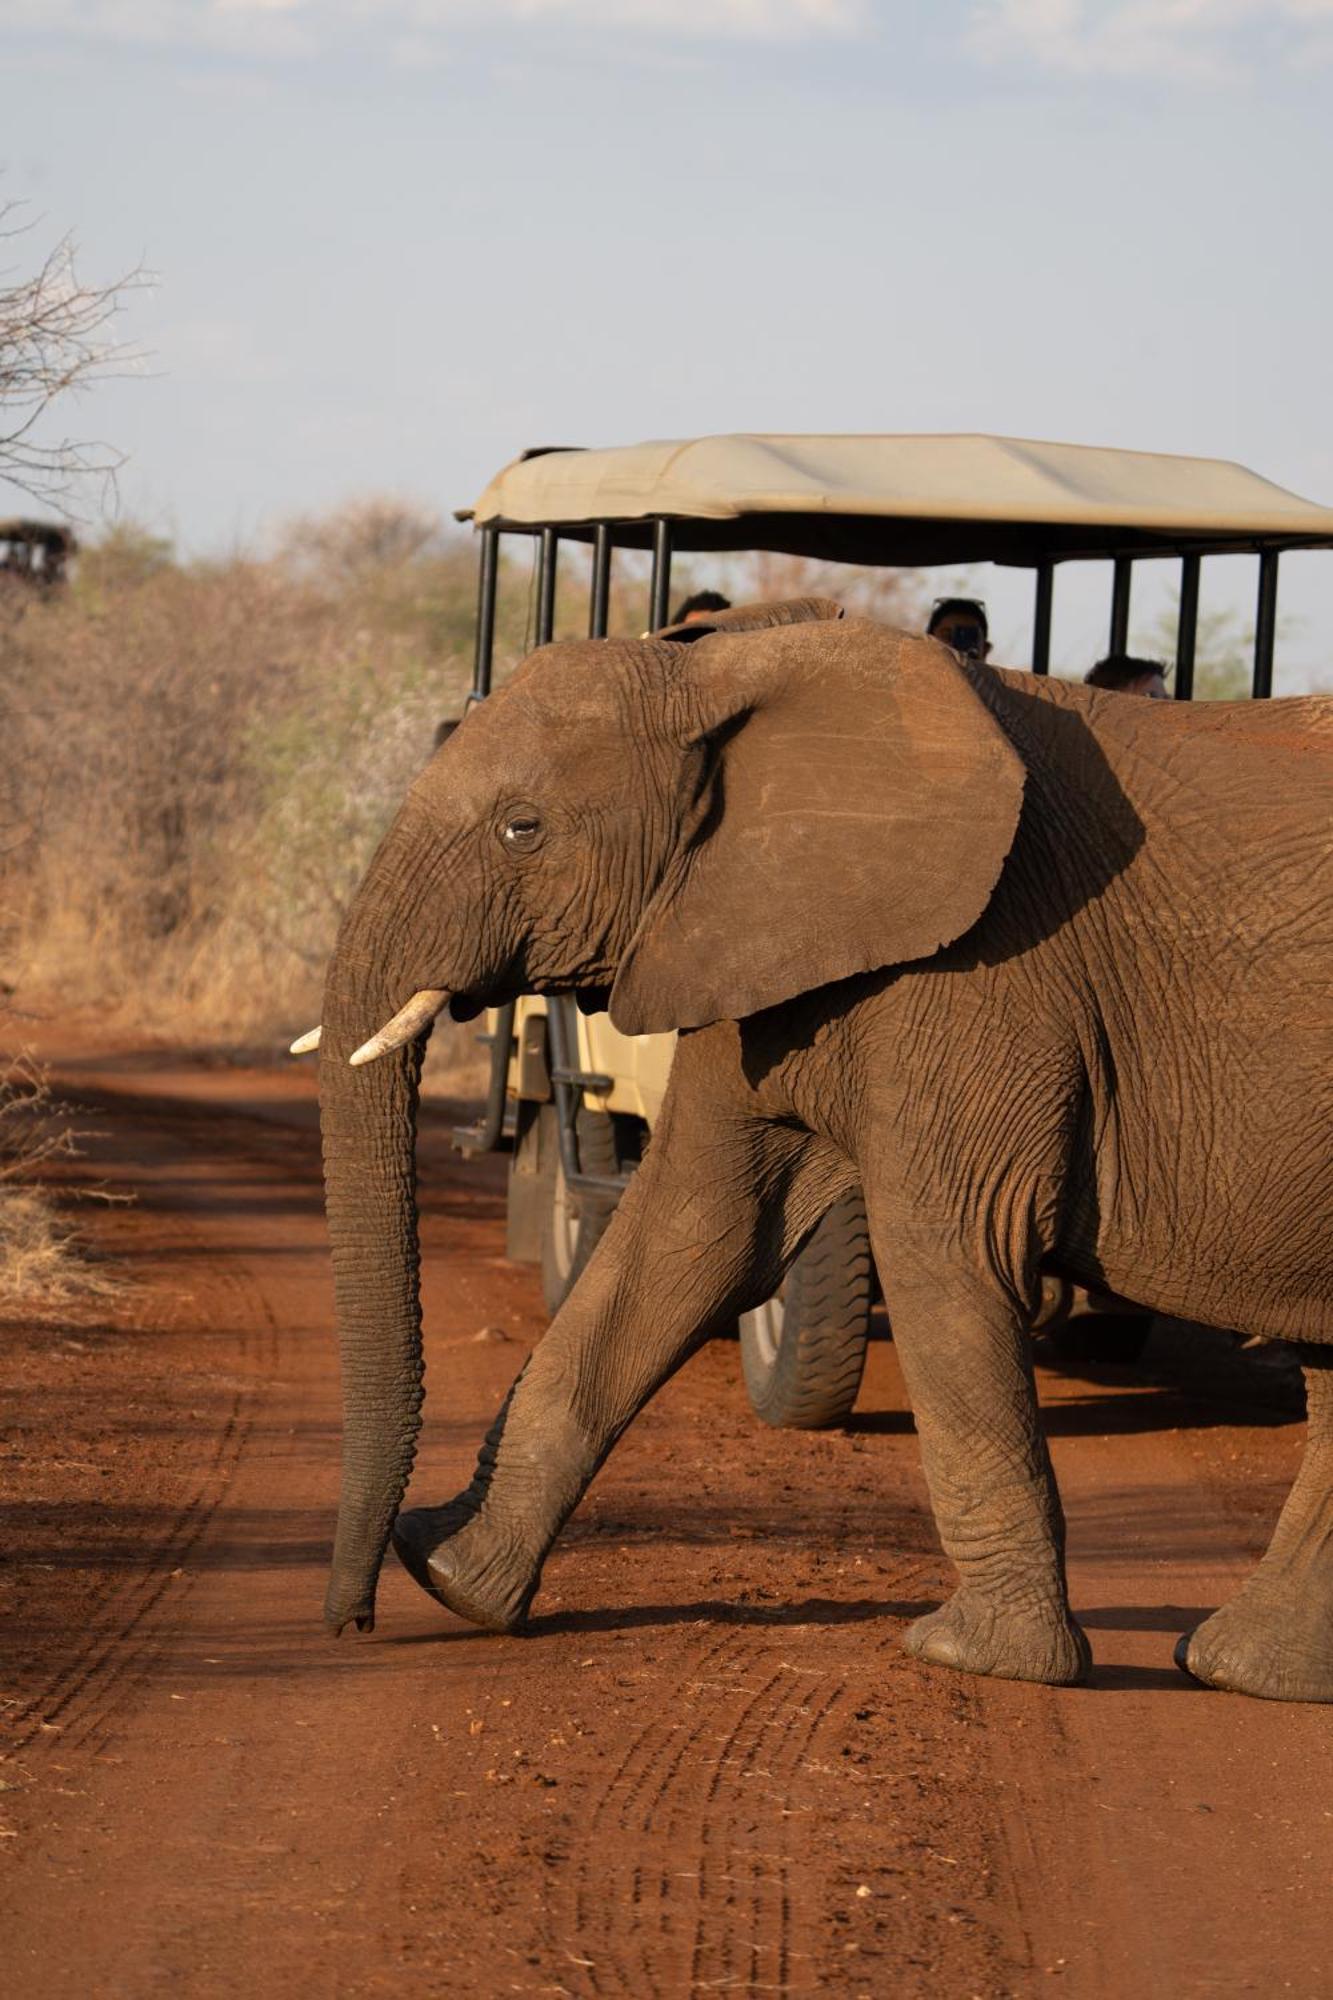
[398, 240]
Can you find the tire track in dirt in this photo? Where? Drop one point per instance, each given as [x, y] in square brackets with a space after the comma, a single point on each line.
[121, 1644]
[669, 1814]
[716, 1855]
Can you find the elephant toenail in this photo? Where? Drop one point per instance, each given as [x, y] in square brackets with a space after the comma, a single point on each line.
[1181, 1657]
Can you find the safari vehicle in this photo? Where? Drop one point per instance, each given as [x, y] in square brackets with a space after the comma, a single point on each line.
[36, 552]
[575, 1101]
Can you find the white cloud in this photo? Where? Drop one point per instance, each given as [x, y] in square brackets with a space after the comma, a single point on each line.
[288, 27]
[1207, 41]
[761, 19]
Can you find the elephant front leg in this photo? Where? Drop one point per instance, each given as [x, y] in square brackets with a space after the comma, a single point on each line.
[967, 1362]
[636, 1313]
[1275, 1637]
[481, 1554]
[690, 1246]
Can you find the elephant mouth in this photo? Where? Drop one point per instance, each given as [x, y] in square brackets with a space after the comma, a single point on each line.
[467, 1006]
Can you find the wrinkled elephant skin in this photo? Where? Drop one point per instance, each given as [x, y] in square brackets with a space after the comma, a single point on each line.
[1044, 968]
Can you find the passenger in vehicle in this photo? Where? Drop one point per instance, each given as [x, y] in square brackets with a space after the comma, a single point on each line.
[1128, 675]
[700, 604]
[961, 622]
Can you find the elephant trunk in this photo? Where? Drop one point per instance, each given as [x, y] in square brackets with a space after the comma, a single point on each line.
[368, 1117]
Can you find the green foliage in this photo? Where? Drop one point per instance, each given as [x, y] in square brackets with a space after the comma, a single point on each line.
[126, 556]
[330, 769]
[1223, 652]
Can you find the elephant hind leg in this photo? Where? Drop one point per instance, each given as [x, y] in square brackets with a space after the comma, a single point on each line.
[966, 1359]
[1275, 1637]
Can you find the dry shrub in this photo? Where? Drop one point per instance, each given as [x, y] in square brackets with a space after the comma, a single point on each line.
[203, 756]
[42, 1256]
[892, 596]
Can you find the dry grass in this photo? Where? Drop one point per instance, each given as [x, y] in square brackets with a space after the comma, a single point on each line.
[42, 1255]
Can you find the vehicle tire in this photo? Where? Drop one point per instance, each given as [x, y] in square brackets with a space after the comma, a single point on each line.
[804, 1351]
[572, 1229]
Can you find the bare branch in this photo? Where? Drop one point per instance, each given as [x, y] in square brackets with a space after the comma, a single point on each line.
[57, 338]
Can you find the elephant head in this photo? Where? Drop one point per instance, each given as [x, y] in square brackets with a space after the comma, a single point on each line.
[702, 825]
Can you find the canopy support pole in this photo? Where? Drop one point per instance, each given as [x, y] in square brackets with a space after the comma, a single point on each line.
[549, 550]
[600, 604]
[1122, 579]
[1187, 626]
[487, 573]
[659, 606]
[1265, 625]
[1041, 618]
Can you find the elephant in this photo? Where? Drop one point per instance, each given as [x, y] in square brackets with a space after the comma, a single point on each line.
[1043, 969]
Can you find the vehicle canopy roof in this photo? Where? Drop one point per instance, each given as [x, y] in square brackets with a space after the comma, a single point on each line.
[40, 534]
[903, 499]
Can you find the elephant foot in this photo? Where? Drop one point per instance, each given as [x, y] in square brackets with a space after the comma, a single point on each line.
[466, 1565]
[1279, 1650]
[975, 1635]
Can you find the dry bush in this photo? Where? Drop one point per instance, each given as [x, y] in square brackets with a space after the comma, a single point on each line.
[203, 756]
[892, 596]
[41, 1254]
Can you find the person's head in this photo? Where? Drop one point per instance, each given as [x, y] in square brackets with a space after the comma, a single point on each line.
[700, 604]
[1126, 674]
[960, 622]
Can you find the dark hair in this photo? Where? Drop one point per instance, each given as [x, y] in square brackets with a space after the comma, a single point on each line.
[701, 600]
[1121, 670]
[971, 607]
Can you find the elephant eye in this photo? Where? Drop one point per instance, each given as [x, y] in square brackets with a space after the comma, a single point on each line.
[521, 832]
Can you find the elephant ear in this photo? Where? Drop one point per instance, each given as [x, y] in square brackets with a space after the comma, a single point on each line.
[854, 803]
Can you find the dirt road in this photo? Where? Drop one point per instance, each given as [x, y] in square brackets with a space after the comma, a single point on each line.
[708, 1769]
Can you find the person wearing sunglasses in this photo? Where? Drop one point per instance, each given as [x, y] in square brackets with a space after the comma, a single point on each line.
[961, 622]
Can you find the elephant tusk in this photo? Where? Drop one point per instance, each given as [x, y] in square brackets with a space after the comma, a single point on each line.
[405, 1026]
[305, 1045]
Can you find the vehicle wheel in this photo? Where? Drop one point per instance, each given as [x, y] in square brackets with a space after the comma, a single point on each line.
[571, 1230]
[803, 1352]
